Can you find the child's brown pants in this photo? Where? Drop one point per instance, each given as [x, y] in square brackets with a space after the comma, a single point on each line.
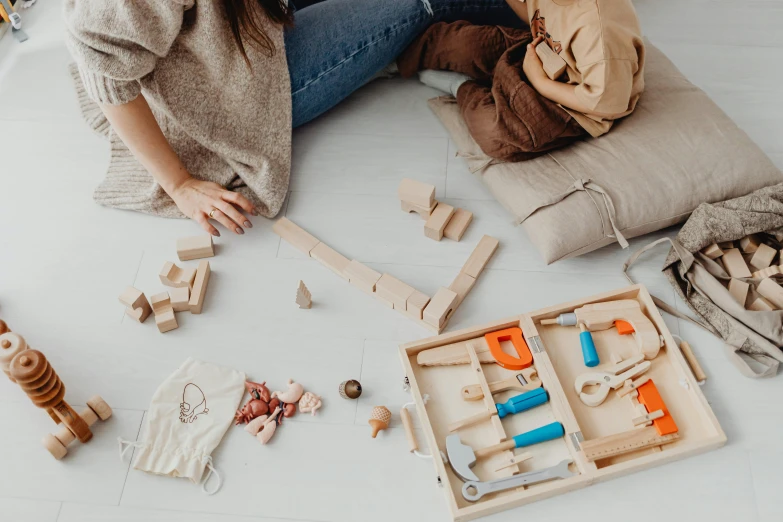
[505, 115]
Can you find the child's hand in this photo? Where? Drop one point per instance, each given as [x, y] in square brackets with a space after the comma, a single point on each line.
[534, 69]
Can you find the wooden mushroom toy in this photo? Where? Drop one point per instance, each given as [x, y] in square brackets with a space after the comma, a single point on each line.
[379, 419]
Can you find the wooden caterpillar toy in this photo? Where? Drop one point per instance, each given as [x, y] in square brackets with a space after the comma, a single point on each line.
[32, 372]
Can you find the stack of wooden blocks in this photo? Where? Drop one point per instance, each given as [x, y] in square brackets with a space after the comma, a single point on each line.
[749, 263]
[188, 287]
[442, 219]
[432, 313]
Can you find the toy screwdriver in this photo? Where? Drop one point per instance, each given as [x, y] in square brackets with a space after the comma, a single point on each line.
[589, 353]
[516, 404]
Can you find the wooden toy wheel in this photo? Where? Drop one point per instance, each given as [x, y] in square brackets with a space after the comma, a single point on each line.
[54, 446]
[100, 407]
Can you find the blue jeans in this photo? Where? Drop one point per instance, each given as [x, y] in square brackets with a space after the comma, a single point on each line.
[336, 46]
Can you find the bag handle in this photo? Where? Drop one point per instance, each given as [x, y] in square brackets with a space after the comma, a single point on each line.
[733, 344]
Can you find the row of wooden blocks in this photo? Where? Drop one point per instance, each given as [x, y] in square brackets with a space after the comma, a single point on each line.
[442, 219]
[188, 287]
[433, 313]
[750, 260]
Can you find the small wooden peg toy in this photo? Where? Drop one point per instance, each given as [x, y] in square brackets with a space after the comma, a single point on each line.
[303, 296]
[379, 419]
[10, 345]
[351, 389]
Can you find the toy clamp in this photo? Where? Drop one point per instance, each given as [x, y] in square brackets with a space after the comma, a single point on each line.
[505, 360]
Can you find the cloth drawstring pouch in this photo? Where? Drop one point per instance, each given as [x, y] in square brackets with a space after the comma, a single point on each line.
[188, 416]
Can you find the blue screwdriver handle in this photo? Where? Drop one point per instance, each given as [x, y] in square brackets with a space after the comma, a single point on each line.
[544, 433]
[589, 354]
[522, 402]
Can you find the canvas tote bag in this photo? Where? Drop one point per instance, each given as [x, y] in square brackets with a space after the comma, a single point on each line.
[753, 340]
[188, 416]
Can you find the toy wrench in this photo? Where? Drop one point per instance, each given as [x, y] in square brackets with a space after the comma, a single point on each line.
[609, 379]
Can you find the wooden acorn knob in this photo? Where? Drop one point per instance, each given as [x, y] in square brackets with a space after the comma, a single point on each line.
[350, 389]
[379, 419]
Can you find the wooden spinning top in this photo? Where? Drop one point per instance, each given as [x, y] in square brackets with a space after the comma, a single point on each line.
[39, 381]
[379, 419]
[350, 389]
[10, 345]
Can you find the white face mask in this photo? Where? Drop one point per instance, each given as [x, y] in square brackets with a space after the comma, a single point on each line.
[188, 416]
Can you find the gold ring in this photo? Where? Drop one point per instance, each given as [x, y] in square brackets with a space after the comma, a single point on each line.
[212, 213]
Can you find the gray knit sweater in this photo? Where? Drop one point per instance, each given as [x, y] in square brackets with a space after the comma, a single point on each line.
[228, 123]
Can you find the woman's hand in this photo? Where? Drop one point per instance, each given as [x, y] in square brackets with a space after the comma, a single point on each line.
[197, 199]
[534, 69]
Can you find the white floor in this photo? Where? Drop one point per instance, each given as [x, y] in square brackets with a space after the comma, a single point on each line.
[64, 260]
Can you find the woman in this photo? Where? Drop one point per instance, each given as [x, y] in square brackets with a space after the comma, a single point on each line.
[202, 96]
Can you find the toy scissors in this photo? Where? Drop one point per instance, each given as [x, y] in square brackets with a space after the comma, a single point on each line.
[609, 379]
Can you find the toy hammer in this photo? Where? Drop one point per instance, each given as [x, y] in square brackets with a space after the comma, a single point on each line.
[462, 457]
[602, 316]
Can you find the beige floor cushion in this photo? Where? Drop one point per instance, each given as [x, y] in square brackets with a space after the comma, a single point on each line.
[677, 150]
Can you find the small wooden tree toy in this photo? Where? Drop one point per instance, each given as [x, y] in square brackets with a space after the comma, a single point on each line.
[303, 297]
[39, 381]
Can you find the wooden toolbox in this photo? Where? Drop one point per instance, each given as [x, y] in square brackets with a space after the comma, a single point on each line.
[557, 359]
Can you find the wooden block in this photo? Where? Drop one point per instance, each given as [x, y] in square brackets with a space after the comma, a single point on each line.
[416, 192]
[461, 286]
[437, 222]
[416, 303]
[767, 272]
[180, 298]
[392, 289]
[331, 259]
[303, 296]
[739, 291]
[195, 247]
[362, 276]
[735, 264]
[295, 235]
[424, 212]
[137, 305]
[199, 287]
[480, 256]
[726, 245]
[554, 65]
[749, 244]
[383, 300]
[440, 307]
[761, 305]
[458, 224]
[175, 277]
[713, 251]
[763, 256]
[772, 292]
[164, 312]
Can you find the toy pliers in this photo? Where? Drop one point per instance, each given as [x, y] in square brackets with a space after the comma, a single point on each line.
[609, 379]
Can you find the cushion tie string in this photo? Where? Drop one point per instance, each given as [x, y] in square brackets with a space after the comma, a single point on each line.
[584, 185]
[212, 470]
[485, 161]
[125, 445]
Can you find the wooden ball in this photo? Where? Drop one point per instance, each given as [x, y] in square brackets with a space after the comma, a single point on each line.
[350, 389]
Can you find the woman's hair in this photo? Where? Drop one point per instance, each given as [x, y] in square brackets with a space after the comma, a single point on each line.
[246, 18]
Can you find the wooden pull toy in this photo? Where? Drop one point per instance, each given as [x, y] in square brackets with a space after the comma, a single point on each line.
[32, 371]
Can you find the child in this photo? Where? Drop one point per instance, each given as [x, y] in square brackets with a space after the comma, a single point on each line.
[512, 109]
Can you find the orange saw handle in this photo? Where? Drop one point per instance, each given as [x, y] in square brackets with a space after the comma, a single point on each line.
[505, 360]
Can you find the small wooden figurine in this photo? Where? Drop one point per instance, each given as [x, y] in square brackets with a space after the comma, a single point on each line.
[351, 389]
[303, 296]
[379, 419]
